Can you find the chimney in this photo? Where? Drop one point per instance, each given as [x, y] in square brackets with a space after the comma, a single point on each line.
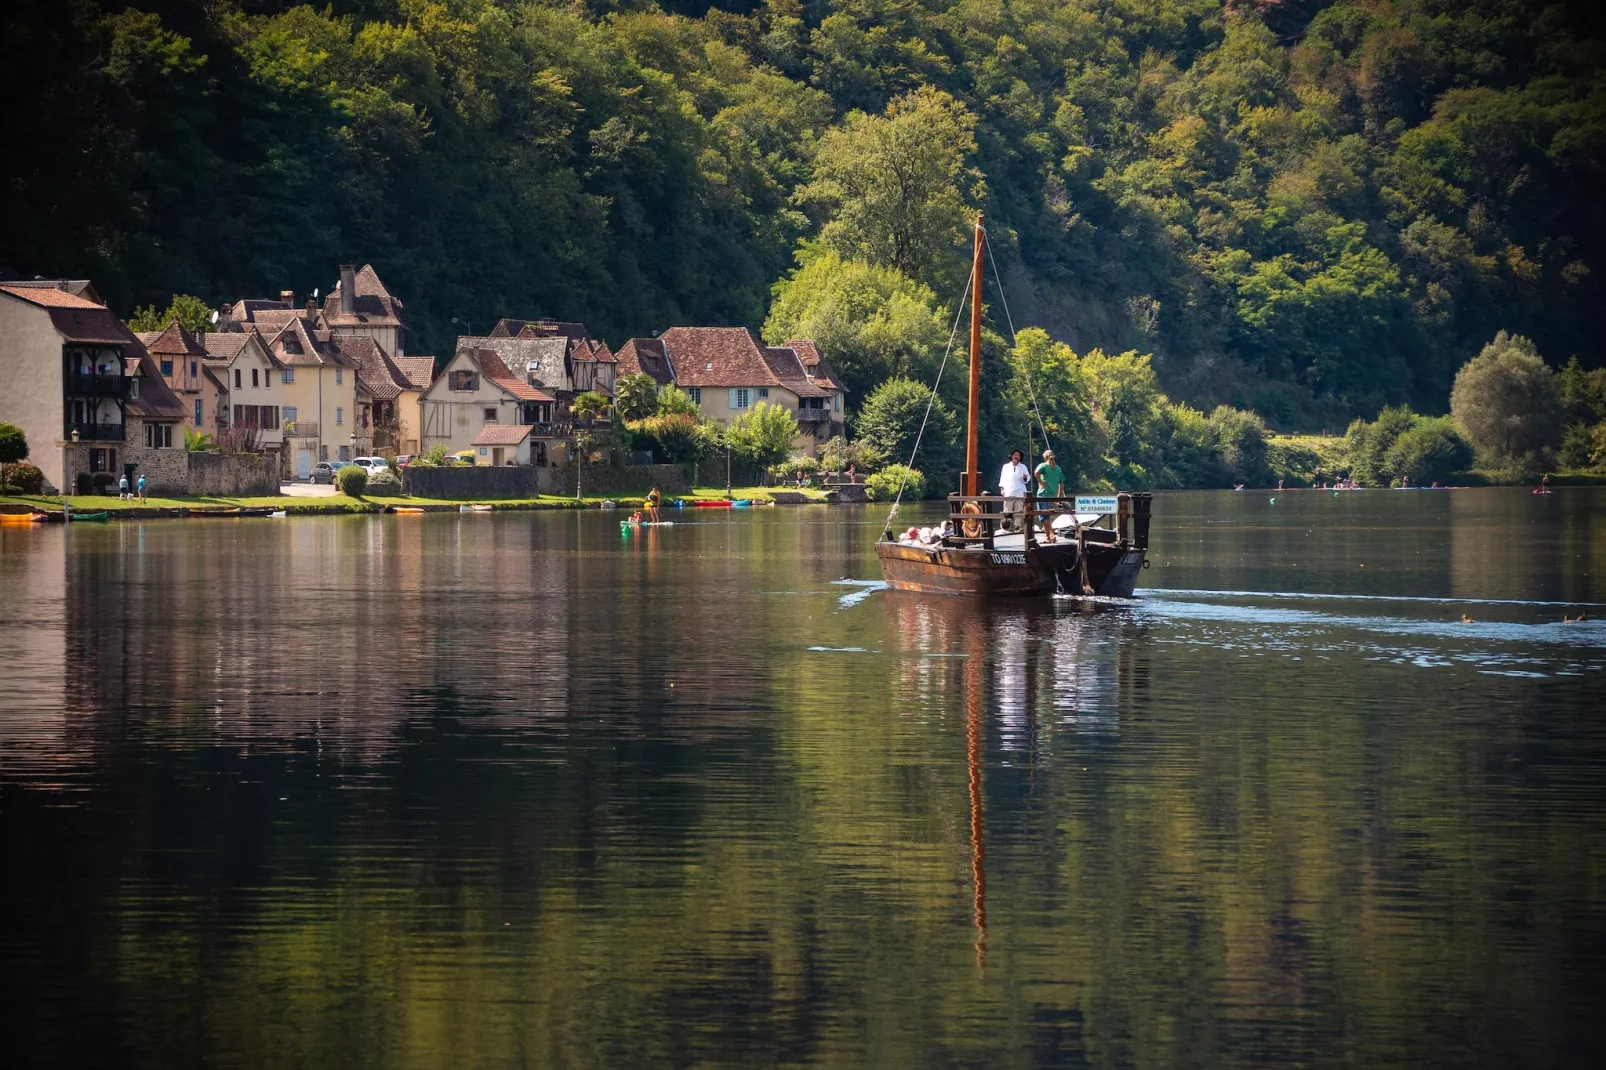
[288, 297]
[348, 288]
[312, 310]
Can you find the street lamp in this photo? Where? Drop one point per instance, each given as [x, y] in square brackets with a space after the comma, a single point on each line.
[727, 471]
[352, 456]
[66, 499]
[468, 325]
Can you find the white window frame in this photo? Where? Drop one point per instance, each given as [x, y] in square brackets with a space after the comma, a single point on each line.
[741, 398]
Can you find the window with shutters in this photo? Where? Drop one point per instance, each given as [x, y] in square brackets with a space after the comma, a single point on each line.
[340, 376]
[340, 416]
[740, 397]
[197, 412]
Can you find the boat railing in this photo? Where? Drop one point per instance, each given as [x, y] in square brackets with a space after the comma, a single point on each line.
[983, 521]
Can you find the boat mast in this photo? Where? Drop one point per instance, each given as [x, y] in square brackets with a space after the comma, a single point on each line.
[972, 480]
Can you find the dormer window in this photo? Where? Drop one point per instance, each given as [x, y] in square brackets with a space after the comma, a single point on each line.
[462, 380]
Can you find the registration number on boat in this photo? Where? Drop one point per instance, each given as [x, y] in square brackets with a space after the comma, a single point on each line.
[1009, 559]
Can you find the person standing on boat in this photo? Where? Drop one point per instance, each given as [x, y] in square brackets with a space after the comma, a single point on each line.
[1012, 485]
[1050, 484]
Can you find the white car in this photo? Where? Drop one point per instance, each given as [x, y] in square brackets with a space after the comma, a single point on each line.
[375, 465]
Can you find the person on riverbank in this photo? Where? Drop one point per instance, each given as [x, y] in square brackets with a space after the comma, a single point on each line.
[1012, 485]
[1050, 484]
[139, 484]
[653, 498]
[122, 487]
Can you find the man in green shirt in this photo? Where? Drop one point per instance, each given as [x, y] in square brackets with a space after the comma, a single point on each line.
[1050, 484]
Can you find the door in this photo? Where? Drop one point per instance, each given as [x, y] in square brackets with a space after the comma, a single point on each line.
[303, 464]
[496, 456]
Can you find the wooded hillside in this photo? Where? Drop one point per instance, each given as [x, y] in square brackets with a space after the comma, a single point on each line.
[1309, 209]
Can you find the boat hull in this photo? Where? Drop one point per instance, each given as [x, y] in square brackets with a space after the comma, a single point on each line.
[1112, 571]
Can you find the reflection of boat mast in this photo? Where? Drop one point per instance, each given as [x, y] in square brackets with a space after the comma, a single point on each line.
[978, 849]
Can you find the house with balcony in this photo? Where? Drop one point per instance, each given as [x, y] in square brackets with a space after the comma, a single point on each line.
[318, 389]
[153, 443]
[728, 371]
[388, 392]
[63, 381]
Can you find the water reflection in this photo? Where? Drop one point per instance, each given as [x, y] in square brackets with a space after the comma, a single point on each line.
[492, 790]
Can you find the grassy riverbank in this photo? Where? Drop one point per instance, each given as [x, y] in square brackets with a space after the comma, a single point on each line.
[179, 506]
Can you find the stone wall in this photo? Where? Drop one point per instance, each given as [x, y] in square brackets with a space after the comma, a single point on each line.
[631, 480]
[166, 471]
[235, 475]
[528, 482]
[475, 483]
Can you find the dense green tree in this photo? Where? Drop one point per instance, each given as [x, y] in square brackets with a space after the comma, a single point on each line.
[890, 422]
[673, 401]
[1240, 439]
[1049, 390]
[763, 434]
[187, 310]
[871, 323]
[635, 397]
[897, 185]
[1507, 401]
[1431, 450]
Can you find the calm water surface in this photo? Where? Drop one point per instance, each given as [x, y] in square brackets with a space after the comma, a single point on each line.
[517, 790]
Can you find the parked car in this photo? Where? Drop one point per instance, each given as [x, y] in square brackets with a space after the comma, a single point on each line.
[375, 465]
[405, 459]
[324, 471]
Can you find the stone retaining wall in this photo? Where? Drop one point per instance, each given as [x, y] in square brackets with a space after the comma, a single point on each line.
[239, 475]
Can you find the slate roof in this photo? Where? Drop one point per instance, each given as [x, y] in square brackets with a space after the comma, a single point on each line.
[375, 369]
[420, 371]
[502, 434]
[645, 356]
[731, 356]
[518, 353]
[492, 367]
[376, 306]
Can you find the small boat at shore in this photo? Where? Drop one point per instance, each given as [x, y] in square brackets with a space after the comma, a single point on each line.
[407, 510]
[88, 518]
[21, 519]
[977, 553]
[475, 508]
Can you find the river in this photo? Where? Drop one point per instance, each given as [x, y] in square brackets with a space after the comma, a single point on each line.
[496, 790]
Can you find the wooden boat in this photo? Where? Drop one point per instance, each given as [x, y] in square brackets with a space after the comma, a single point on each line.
[1092, 553]
[88, 518]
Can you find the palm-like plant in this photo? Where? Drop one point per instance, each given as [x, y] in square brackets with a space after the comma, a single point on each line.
[635, 397]
[196, 441]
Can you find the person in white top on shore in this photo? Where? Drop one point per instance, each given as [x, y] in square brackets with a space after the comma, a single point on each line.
[1012, 485]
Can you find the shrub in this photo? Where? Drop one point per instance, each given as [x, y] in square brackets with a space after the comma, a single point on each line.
[883, 485]
[26, 478]
[1430, 450]
[434, 457]
[385, 483]
[1241, 442]
[763, 434]
[13, 448]
[793, 467]
[674, 438]
[353, 480]
[838, 455]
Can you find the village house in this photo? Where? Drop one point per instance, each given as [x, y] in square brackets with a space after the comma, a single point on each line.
[246, 388]
[63, 381]
[180, 355]
[153, 444]
[727, 371]
[360, 306]
[420, 373]
[389, 392]
[500, 444]
[477, 389]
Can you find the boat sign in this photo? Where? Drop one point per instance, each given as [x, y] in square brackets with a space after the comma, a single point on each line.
[1102, 505]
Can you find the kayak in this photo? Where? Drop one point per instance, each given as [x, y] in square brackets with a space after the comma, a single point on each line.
[470, 508]
[407, 510]
[19, 519]
[89, 518]
[712, 503]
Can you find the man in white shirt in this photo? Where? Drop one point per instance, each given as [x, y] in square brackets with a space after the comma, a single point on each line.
[1012, 485]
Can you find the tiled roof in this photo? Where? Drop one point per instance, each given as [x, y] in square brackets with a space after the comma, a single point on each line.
[731, 356]
[502, 434]
[590, 349]
[645, 356]
[814, 365]
[224, 346]
[788, 369]
[155, 401]
[47, 296]
[420, 371]
[378, 372]
[375, 304]
[84, 288]
[314, 351]
[175, 341]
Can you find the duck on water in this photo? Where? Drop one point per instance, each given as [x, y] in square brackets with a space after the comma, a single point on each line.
[1091, 550]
